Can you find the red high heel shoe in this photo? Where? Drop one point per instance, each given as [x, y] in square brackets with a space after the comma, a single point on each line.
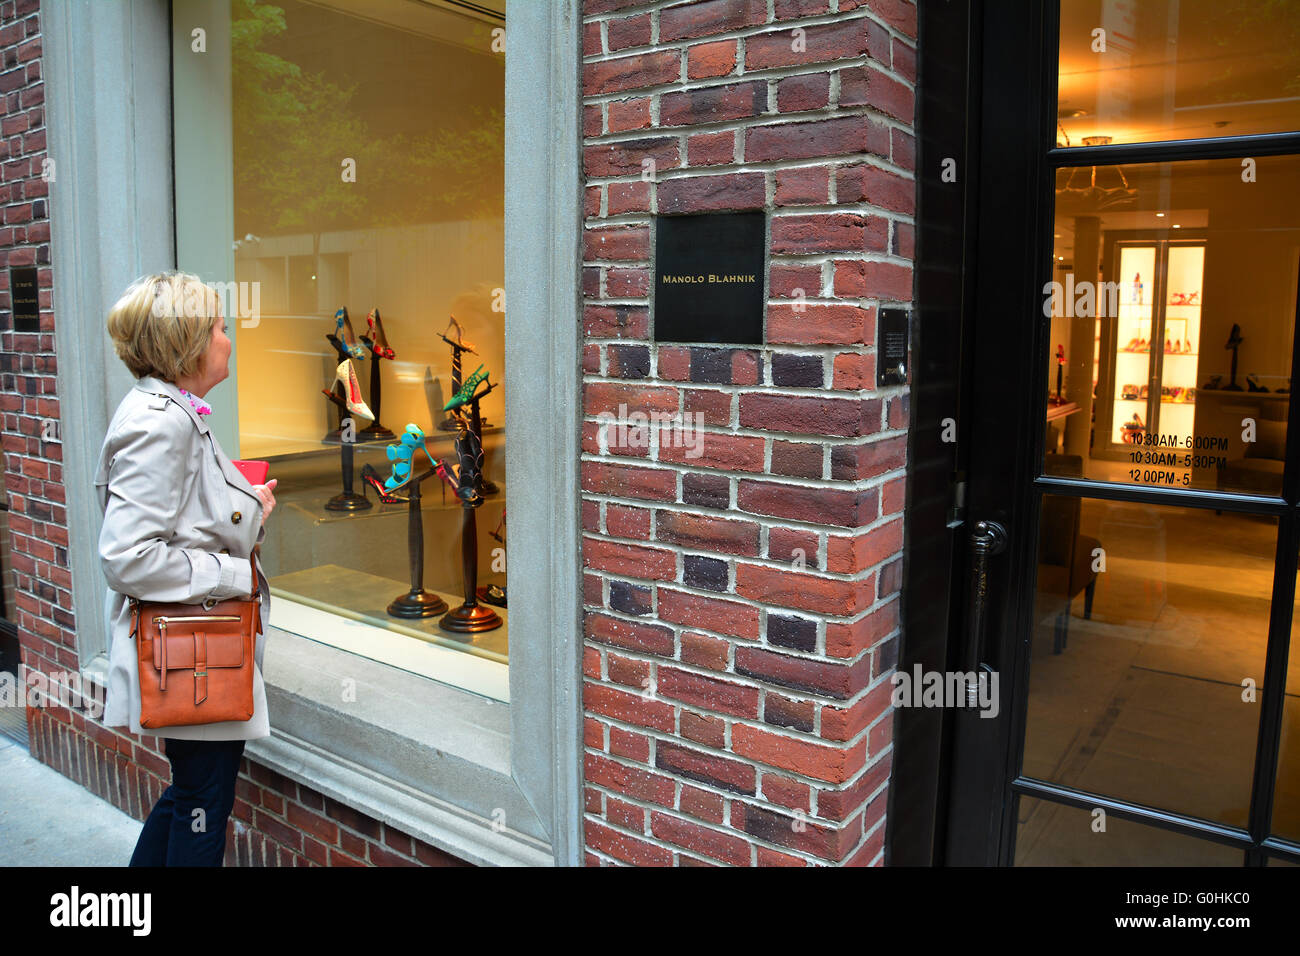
[377, 341]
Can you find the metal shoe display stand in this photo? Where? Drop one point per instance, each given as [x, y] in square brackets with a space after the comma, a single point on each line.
[347, 499]
[449, 424]
[471, 617]
[417, 602]
[374, 431]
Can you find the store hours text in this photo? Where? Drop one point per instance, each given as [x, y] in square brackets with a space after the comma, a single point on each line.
[1165, 451]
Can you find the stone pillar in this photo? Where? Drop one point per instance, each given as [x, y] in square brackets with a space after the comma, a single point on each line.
[1083, 332]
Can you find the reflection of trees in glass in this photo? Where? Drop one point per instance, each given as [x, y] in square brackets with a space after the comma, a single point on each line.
[1239, 28]
[293, 129]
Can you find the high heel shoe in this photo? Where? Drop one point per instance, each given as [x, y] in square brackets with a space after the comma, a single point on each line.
[343, 329]
[346, 374]
[371, 477]
[402, 454]
[377, 341]
[467, 390]
[460, 341]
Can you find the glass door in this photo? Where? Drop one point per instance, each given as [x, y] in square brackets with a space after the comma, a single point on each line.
[1144, 602]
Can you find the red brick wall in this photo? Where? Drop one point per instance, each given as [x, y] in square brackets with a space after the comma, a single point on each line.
[737, 705]
[275, 821]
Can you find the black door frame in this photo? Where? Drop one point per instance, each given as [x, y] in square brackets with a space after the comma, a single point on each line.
[954, 796]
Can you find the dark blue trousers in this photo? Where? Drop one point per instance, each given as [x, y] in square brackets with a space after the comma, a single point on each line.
[203, 779]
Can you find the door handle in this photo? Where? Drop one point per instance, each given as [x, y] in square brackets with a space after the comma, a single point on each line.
[987, 539]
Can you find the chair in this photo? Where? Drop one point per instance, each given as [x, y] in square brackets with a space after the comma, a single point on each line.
[1260, 471]
[1065, 555]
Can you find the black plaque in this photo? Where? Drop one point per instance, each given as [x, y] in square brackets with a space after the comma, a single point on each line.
[26, 299]
[709, 278]
[891, 346]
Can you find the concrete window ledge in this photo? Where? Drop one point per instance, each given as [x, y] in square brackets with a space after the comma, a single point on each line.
[430, 759]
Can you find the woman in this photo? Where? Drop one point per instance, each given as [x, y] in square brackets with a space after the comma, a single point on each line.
[179, 524]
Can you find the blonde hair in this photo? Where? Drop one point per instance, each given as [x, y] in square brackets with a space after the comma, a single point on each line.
[162, 324]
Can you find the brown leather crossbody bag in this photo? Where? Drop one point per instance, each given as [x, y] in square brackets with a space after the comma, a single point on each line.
[195, 661]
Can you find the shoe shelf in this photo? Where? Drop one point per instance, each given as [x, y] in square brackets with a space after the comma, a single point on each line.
[1157, 280]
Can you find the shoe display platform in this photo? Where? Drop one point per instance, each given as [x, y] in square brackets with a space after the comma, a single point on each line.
[363, 597]
[355, 563]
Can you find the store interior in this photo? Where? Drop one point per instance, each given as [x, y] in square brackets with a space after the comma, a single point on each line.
[1169, 364]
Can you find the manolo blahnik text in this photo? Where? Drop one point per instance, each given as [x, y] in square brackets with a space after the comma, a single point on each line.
[710, 277]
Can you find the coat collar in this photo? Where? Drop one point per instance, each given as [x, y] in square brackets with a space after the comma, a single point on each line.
[157, 386]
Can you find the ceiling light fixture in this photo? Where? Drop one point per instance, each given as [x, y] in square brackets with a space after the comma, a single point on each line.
[1094, 188]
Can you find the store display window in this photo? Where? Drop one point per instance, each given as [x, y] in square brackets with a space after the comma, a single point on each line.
[339, 169]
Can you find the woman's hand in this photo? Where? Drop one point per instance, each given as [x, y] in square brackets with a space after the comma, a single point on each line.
[266, 493]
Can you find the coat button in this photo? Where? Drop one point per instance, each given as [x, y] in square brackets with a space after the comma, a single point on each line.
[236, 517]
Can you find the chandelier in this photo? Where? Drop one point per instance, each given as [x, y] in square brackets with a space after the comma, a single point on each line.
[1093, 187]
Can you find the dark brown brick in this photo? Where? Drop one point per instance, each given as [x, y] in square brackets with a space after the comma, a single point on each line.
[797, 459]
[829, 678]
[699, 571]
[713, 104]
[630, 598]
[796, 633]
[709, 491]
[798, 371]
[720, 772]
[782, 711]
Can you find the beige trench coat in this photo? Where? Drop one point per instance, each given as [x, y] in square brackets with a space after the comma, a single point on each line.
[179, 524]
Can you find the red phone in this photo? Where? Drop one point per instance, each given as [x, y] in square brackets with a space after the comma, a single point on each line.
[254, 471]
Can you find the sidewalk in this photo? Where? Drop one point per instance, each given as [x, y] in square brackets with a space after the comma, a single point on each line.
[48, 820]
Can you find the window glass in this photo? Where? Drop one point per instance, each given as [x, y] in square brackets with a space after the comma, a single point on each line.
[358, 187]
[1137, 71]
[1053, 834]
[1147, 621]
[1286, 797]
[1172, 310]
